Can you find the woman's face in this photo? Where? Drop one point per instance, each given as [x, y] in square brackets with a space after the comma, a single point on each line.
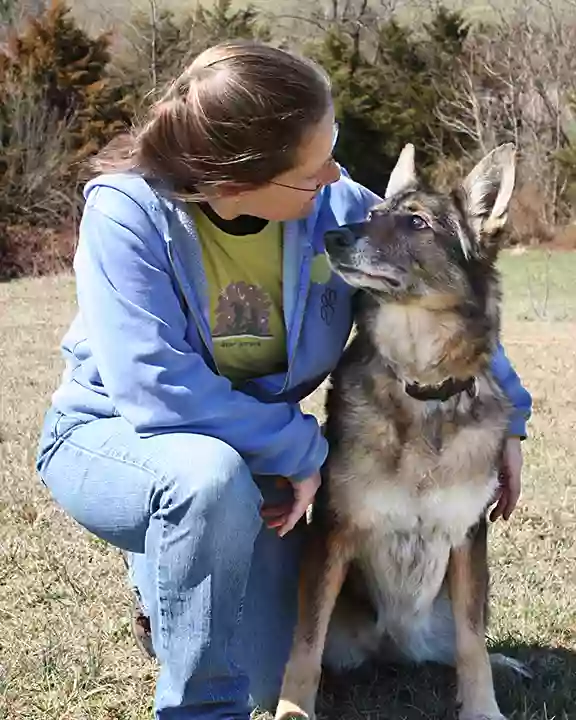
[291, 195]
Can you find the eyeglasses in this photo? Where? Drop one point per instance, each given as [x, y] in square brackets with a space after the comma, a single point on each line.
[318, 185]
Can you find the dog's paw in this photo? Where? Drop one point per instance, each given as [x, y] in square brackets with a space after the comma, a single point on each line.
[498, 661]
[481, 716]
[287, 710]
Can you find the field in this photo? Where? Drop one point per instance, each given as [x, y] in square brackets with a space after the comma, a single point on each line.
[65, 649]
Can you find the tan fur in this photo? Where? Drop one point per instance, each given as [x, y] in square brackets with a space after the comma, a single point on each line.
[318, 594]
[421, 338]
[396, 565]
[475, 688]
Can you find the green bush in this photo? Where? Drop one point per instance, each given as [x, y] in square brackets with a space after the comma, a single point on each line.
[390, 99]
[63, 96]
[160, 44]
[58, 105]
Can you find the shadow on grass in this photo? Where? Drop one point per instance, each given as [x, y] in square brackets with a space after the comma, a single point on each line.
[428, 692]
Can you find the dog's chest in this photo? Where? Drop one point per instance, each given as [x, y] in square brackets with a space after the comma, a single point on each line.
[406, 537]
[380, 509]
[425, 467]
[381, 486]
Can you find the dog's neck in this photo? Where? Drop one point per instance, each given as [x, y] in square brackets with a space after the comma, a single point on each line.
[443, 392]
[428, 347]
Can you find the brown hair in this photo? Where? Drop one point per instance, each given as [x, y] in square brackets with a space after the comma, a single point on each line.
[237, 114]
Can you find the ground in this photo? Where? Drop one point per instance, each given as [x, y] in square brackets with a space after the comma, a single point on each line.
[65, 648]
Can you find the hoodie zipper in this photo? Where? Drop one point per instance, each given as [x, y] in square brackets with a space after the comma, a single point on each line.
[192, 310]
[304, 291]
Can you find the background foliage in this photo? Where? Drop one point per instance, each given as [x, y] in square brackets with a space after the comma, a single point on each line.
[454, 86]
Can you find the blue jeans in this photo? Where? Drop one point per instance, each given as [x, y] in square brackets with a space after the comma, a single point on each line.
[219, 587]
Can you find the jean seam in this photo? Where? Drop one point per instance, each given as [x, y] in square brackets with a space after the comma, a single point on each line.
[161, 599]
[111, 456]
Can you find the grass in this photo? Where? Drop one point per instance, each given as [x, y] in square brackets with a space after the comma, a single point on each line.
[65, 650]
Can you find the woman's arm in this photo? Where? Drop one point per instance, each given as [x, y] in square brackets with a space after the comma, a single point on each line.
[517, 394]
[136, 330]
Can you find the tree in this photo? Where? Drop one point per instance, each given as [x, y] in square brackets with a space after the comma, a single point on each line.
[58, 105]
[566, 157]
[386, 88]
[10, 11]
[513, 83]
[162, 42]
[243, 310]
[221, 22]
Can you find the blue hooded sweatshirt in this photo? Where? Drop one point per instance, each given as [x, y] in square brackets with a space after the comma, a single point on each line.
[140, 345]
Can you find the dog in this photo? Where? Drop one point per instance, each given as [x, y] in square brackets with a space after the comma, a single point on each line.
[396, 561]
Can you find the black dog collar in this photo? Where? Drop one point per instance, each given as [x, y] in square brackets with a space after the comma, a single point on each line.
[449, 388]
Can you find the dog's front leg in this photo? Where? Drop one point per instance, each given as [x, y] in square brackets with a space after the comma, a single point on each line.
[468, 583]
[322, 574]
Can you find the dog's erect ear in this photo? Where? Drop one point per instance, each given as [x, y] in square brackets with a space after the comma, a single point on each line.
[489, 188]
[403, 176]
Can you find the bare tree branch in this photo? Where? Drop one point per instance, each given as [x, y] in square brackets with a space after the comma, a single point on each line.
[153, 42]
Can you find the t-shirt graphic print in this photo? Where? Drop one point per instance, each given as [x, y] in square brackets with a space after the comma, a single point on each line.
[244, 280]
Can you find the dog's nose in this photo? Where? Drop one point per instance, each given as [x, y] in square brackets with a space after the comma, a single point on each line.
[341, 238]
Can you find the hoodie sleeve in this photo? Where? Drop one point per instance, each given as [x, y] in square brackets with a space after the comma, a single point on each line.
[510, 383]
[365, 199]
[136, 330]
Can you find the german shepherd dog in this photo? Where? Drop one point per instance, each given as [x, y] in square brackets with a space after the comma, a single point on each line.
[396, 564]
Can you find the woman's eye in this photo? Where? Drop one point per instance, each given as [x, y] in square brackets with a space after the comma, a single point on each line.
[418, 223]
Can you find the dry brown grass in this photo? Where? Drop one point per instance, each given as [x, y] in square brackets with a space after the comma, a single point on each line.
[65, 650]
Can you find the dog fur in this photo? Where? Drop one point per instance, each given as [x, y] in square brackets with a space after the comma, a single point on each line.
[396, 563]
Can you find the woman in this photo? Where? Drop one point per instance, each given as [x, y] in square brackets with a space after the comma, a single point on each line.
[206, 313]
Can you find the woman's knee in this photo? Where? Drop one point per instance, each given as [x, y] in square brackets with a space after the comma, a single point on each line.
[111, 481]
[94, 474]
[205, 472]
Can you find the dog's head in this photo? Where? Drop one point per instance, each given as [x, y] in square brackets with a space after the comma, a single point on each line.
[424, 246]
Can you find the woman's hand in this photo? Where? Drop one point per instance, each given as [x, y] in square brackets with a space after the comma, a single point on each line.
[510, 477]
[285, 517]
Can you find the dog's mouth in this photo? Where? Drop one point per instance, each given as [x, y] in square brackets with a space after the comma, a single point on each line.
[389, 277]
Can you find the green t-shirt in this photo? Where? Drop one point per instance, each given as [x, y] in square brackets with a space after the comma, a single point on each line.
[244, 277]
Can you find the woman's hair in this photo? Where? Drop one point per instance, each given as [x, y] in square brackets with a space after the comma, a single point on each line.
[238, 114]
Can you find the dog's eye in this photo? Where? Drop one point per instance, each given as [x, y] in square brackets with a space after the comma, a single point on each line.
[417, 222]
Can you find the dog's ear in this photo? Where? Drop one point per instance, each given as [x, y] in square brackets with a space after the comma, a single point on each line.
[403, 176]
[488, 189]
